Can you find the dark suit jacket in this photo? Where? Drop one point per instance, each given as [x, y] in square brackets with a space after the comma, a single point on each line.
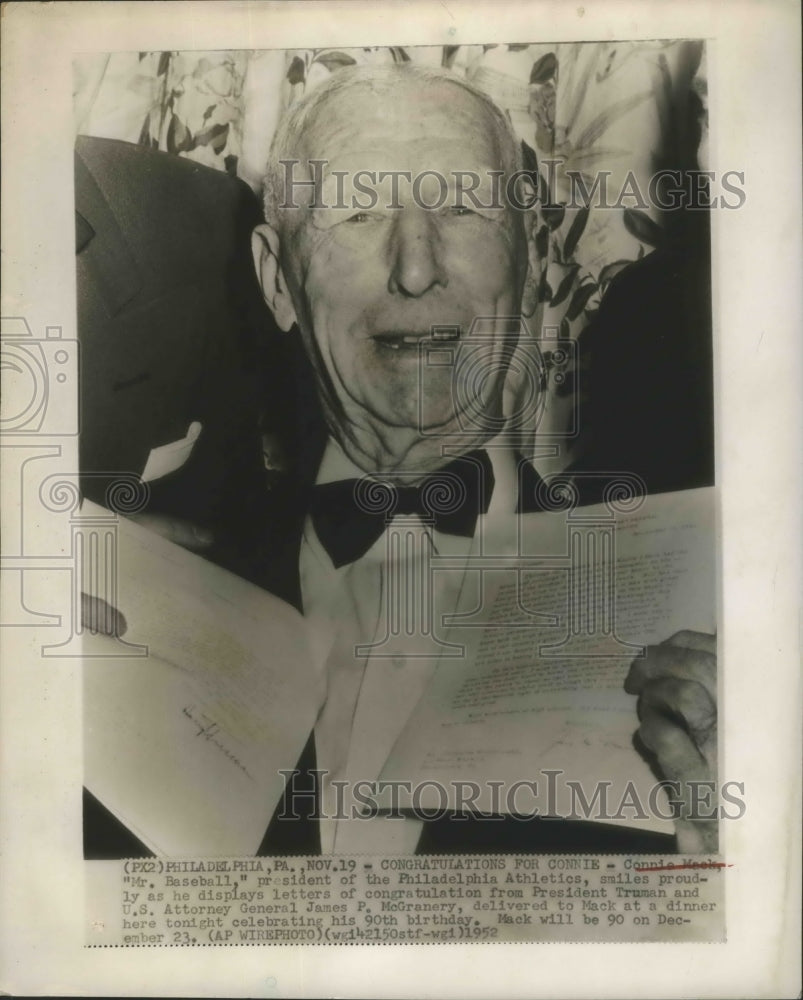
[648, 358]
[170, 324]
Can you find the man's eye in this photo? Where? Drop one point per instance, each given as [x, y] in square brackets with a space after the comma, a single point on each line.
[461, 210]
[358, 217]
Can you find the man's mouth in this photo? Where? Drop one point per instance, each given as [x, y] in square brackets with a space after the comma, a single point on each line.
[405, 340]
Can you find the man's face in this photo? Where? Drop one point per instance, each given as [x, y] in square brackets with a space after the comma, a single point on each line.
[368, 285]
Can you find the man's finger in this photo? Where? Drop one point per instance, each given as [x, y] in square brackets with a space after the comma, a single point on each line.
[673, 661]
[694, 796]
[174, 529]
[688, 705]
[678, 757]
[686, 639]
[100, 617]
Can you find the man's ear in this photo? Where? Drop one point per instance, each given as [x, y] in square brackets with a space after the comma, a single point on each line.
[265, 248]
[535, 265]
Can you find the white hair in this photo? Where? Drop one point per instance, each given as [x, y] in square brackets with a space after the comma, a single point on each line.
[382, 79]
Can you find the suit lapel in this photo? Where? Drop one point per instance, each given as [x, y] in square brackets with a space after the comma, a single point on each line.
[101, 244]
[530, 486]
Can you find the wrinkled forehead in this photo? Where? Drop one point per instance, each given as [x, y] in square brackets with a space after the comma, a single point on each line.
[406, 125]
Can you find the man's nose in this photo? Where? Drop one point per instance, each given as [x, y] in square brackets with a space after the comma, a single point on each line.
[416, 254]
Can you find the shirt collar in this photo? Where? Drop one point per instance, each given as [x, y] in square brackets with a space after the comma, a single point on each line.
[336, 465]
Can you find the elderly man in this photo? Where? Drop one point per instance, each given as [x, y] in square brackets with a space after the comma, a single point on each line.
[373, 239]
[397, 218]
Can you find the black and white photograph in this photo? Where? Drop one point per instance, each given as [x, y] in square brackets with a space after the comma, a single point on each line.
[382, 465]
[341, 386]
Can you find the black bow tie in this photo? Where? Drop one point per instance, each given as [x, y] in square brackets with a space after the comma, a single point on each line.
[350, 515]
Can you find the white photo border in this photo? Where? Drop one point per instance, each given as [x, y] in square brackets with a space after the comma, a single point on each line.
[754, 75]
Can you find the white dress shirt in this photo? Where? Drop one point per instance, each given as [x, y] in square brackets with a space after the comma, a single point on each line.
[368, 695]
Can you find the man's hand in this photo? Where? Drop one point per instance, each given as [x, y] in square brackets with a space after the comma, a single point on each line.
[176, 529]
[98, 616]
[676, 684]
